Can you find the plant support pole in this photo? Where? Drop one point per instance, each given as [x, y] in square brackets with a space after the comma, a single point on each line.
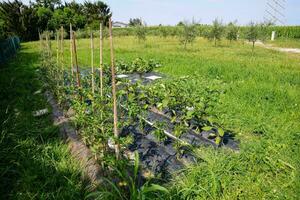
[57, 47]
[71, 52]
[116, 134]
[75, 59]
[62, 54]
[101, 60]
[92, 63]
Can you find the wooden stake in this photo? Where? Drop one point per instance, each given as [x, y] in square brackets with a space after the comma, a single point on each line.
[116, 134]
[76, 61]
[57, 47]
[71, 52]
[62, 53]
[101, 60]
[92, 63]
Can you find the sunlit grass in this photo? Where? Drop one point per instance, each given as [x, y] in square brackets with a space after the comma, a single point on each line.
[261, 106]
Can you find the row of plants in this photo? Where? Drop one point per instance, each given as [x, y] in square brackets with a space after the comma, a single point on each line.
[187, 103]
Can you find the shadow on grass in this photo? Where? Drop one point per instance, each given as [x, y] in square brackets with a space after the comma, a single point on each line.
[34, 164]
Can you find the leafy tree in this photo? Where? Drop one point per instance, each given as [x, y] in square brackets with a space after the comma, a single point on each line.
[44, 16]
[48, 3]
[216, 31]
[252, 33]
[12, 15]
[232, 32]
[96, 11]
[188, 33]
[264, 30]
[141, 32]
[181, 23]
[135, 22]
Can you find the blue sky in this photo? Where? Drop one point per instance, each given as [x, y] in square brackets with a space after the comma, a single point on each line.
[155, 12]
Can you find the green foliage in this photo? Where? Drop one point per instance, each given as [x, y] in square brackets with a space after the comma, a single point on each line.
[34, 163]
[232, 31]
[216, 31]
[135, 22]
[141, 31]
[188, 33]
[252, 33]
[27, 21]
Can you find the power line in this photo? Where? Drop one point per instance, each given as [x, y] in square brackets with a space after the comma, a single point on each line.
[275, 11]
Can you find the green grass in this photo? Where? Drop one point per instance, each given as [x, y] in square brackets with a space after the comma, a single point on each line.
[286, 43]
[261, 105]
[34, 163]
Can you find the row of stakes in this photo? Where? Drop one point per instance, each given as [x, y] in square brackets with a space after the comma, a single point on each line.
[74, 62]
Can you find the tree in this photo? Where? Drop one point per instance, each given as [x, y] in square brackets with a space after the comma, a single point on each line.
[44, 16]
[264, 30]
[216, 31]
[135, 22]
[232, 32]
[51, 4]
[141, 31]
[95, 11]
[252, 33]
[188, 33]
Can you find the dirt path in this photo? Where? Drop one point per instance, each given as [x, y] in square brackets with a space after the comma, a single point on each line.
[269, 46]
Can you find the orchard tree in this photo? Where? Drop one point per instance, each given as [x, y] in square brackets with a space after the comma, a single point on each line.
[216, 31]
[232, 32]
[264, 30]
[141, 32]
[252, 33]
[188, 33]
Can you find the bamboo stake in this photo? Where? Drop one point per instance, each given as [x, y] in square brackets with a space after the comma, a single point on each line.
[76, 61]
[101, 60]
[92, 63]
[71, 52]
[62, 53]
[116, 134]
[47, 43]
[57, 47]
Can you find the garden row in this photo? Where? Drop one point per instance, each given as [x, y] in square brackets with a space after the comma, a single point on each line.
[162, 120]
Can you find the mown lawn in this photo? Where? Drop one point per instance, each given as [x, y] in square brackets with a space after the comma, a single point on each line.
[34, 163]
[261, 106]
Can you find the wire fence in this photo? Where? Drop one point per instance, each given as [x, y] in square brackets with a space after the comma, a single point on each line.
[9, 48]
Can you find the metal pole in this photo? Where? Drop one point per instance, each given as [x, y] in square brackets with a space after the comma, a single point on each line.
[92, 63]
[101, 60]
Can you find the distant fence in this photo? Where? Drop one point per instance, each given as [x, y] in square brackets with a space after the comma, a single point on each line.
[8, 48]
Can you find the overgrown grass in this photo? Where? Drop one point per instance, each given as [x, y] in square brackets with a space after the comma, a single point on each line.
[34, 163]
[261, 106]
[286, 43]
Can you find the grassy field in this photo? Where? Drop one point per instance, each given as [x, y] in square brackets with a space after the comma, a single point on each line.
[261, 106]
[286, 43]
[34, 163]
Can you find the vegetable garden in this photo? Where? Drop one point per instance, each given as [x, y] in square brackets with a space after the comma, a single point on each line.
[134, 110]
